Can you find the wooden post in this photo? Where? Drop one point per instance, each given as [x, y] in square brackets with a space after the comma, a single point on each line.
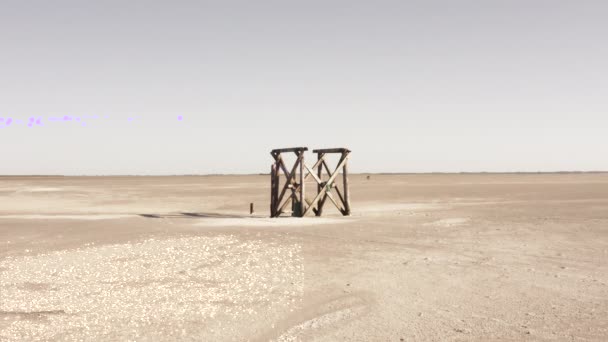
[319, 185]
[345, 186]
[250, 208]
[273, 187]
[302, 185]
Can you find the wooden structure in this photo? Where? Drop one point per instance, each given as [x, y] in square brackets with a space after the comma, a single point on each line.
[295, 182]
[295, 186]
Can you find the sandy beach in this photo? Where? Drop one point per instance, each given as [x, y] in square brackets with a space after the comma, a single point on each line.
[454, 257]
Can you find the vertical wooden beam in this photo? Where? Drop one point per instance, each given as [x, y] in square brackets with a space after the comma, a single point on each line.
[273, 188]
[345, 185]
[302, 185]
[319, 186]
[276, 182]
[294, 207]
[277, 187]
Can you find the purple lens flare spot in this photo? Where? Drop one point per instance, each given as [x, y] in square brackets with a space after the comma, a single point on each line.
[38, 120]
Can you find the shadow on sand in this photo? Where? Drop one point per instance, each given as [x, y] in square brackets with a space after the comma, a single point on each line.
[193, 215]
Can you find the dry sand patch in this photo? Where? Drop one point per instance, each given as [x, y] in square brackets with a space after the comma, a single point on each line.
[197, 286]
[423, 257]
[271, 222]
[85, 217]
[449, 222]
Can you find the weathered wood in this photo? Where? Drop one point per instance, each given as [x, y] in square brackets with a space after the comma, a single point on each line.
[311, 173]
[321, 203]
[329, 186]
[272, 187]
[327, 168]
[314, 167]
[302, 183]
[275, 183]
[282, 207]
[282, 165]
[325, 189]
[339, 194]
[295, 180]
[320, 161]
[346, 199]
[295, 207]
[331, 150]
[289, 176]
[331, 198]
[290, 149]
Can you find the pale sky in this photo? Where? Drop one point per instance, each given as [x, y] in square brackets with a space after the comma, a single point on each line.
[408, 86]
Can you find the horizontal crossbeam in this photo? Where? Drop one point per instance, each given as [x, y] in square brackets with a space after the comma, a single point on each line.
[290, 149]
[331, 150]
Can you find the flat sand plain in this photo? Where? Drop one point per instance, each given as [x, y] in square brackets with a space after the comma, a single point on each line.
[472, 257]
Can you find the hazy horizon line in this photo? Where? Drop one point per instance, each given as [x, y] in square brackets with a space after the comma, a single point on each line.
[352, 173]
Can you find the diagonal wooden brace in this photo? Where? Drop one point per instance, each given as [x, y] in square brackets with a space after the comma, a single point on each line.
[329, 182]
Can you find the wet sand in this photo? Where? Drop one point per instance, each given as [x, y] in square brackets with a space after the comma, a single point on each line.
[423, 257]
